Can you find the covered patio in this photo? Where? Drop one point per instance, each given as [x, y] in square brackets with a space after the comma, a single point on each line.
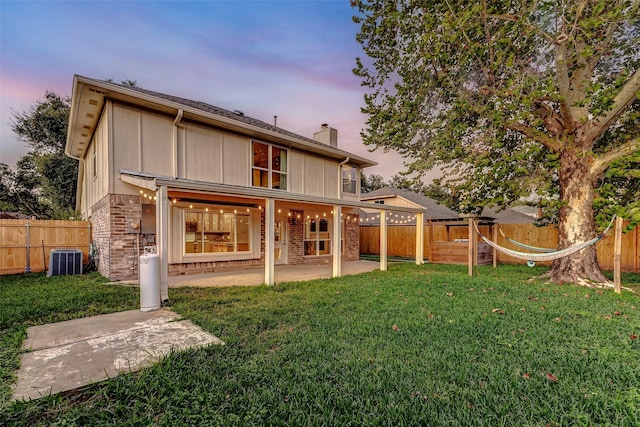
[279, 219]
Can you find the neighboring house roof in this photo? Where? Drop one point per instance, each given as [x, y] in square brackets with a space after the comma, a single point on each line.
[89, 96]
[438, 212]
[532, 211]
[13, 215]
[434, 209]
[507, 216]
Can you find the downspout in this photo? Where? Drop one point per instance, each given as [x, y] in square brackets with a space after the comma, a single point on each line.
[174, 146]
[344, 162]
[79, 184]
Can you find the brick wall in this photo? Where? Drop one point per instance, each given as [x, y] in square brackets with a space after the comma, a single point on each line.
[119, 249]
[352, 239]
[296, 236]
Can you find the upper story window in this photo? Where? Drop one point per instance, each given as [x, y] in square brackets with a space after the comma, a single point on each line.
[269, 166]
[349, 179]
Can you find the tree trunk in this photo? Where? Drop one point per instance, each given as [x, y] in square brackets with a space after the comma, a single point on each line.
[576, 223]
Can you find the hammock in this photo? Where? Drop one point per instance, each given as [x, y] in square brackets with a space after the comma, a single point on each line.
[523, 245]
[532, 258]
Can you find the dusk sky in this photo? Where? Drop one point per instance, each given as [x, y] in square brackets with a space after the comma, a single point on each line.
[293, 59]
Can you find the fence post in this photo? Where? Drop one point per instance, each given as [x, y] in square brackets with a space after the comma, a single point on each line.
[494, 236]
[617, 249]
[89, 240]
[471, 235]
[27, 268]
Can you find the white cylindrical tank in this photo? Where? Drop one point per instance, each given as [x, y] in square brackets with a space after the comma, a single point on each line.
[149, 275]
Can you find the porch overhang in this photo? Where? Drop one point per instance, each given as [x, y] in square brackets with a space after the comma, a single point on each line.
[266, 197]
[153, 182]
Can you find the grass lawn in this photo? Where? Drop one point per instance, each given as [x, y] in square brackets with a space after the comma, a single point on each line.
[411, 346]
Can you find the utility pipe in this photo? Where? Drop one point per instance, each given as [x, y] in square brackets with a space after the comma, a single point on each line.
[174, 145]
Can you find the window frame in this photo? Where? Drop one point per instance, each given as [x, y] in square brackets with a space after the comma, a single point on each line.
[315, 237]
[284, 168]
[351, 182]
[253, 235]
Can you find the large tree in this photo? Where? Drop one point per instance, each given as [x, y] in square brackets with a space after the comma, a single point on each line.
[511, 98]
[45, 178]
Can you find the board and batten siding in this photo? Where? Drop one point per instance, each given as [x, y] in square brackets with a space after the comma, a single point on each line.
[202, 154]
[236, 160]
[96, 173]
[143, 142]
[320, 176]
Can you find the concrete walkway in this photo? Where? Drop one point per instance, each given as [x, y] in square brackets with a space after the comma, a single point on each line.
[72, 354]
[283, 273]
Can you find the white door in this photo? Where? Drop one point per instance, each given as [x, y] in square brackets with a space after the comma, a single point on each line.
[280, 241]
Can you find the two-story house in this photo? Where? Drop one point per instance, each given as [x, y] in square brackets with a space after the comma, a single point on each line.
[211, 189]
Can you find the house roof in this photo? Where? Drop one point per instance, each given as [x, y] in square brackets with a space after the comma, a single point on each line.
[434, 209]
[89, 96]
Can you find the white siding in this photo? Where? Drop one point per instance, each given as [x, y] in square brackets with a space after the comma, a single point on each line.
[143, 142]
[236, 160]
[331, 179]
[296, 172]
[96, 176]
[156, 142]
[203, 154]
[313, 176]
[126, 135]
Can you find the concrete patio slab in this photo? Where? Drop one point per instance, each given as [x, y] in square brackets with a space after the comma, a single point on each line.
[283, 273]
[67, 355]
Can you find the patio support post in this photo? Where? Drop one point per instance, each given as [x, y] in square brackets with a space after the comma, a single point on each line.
[419, 239]
[269, 236]
[162, 228]
[336, 242]
[383, 240]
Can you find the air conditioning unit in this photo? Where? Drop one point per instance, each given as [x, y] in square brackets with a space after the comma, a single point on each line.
[64, 261]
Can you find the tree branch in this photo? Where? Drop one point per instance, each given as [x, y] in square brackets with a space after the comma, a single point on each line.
[562, 78]
[552, 144]
[487, 34]
[466, 36]
[629, 93]
[602, 47]
[602, 162]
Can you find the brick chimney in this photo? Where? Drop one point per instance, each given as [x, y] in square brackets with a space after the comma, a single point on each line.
[327, 135]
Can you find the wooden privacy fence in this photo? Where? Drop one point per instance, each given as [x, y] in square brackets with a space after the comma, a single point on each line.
[401, 240]
[25, 244]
